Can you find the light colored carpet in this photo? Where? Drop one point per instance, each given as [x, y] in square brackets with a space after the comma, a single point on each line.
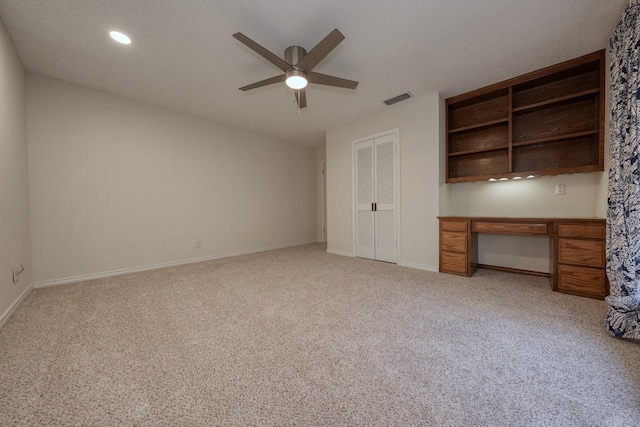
[301, 337]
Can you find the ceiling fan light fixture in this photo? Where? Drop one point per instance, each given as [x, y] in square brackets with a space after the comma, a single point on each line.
[120, 37]
[298, 65]
[296, 79]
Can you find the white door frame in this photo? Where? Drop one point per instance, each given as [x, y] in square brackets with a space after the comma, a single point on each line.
[396, 134]
[323, 192]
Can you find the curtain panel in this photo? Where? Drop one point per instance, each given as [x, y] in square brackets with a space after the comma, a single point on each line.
[623, 215]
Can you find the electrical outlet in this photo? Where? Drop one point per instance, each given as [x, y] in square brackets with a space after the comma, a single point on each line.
[560, 189]
[198, 244]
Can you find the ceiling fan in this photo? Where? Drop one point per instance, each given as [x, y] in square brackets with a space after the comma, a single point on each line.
[298, 66]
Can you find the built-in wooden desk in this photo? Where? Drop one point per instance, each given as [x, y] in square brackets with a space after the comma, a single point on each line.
[577, 262]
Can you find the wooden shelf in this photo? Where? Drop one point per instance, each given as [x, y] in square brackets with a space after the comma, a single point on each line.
[481, 150]
[575, 78]
[475, 164]
[547, 122]
[556, 138]
[556, 120]
[557, 100]
[567, 155]
[480, 125]
[522, 174]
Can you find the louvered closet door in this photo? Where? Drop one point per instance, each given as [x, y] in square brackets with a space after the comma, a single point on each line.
[385, 198]
[364, 199]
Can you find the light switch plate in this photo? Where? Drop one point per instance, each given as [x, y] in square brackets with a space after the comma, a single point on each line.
[560, 189]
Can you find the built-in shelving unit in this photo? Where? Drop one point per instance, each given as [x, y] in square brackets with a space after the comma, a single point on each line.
[547, 122]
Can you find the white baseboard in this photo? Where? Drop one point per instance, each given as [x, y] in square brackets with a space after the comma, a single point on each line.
[343, 253]
[418, 266]
[93, 276]
[9, 311]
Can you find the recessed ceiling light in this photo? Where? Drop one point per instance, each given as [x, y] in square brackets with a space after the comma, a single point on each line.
[492, 180]
[503, 179]
[531, 176]
[517, 177]
[119, 37]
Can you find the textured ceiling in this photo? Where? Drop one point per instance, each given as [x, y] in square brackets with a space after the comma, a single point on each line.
[183, 55]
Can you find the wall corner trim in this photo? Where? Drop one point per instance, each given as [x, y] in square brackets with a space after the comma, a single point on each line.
[93, 276]
[418, 266]
[13, 307]
[343, 253]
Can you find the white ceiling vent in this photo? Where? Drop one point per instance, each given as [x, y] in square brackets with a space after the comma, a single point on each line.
[398, 98]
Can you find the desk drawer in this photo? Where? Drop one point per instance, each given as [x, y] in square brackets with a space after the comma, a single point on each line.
[589, 253]
[582, 280]
[589, 231]
[453, 226]
[509, 228]
[454, 242]
[454, 263]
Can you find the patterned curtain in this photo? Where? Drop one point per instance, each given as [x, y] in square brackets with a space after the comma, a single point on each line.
[623, 215]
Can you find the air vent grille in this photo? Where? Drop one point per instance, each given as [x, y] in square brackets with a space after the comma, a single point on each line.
[398, 98]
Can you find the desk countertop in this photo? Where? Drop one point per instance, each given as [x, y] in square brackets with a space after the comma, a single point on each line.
[519, 219]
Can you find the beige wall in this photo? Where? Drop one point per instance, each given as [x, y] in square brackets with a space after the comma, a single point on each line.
[528, 197]
[321, 155]
[15, 241]
[419, 121]
[118, 184]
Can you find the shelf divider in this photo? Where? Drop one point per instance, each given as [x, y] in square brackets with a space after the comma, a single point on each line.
[480, 125]
[556, 100]
[556, 138]
[510, 132]
[482, 150]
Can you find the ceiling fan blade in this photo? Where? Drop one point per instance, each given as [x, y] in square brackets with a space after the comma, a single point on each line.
[271, 57]
[320, 51]
[323, 79]
[301, 97]
[266, 82]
